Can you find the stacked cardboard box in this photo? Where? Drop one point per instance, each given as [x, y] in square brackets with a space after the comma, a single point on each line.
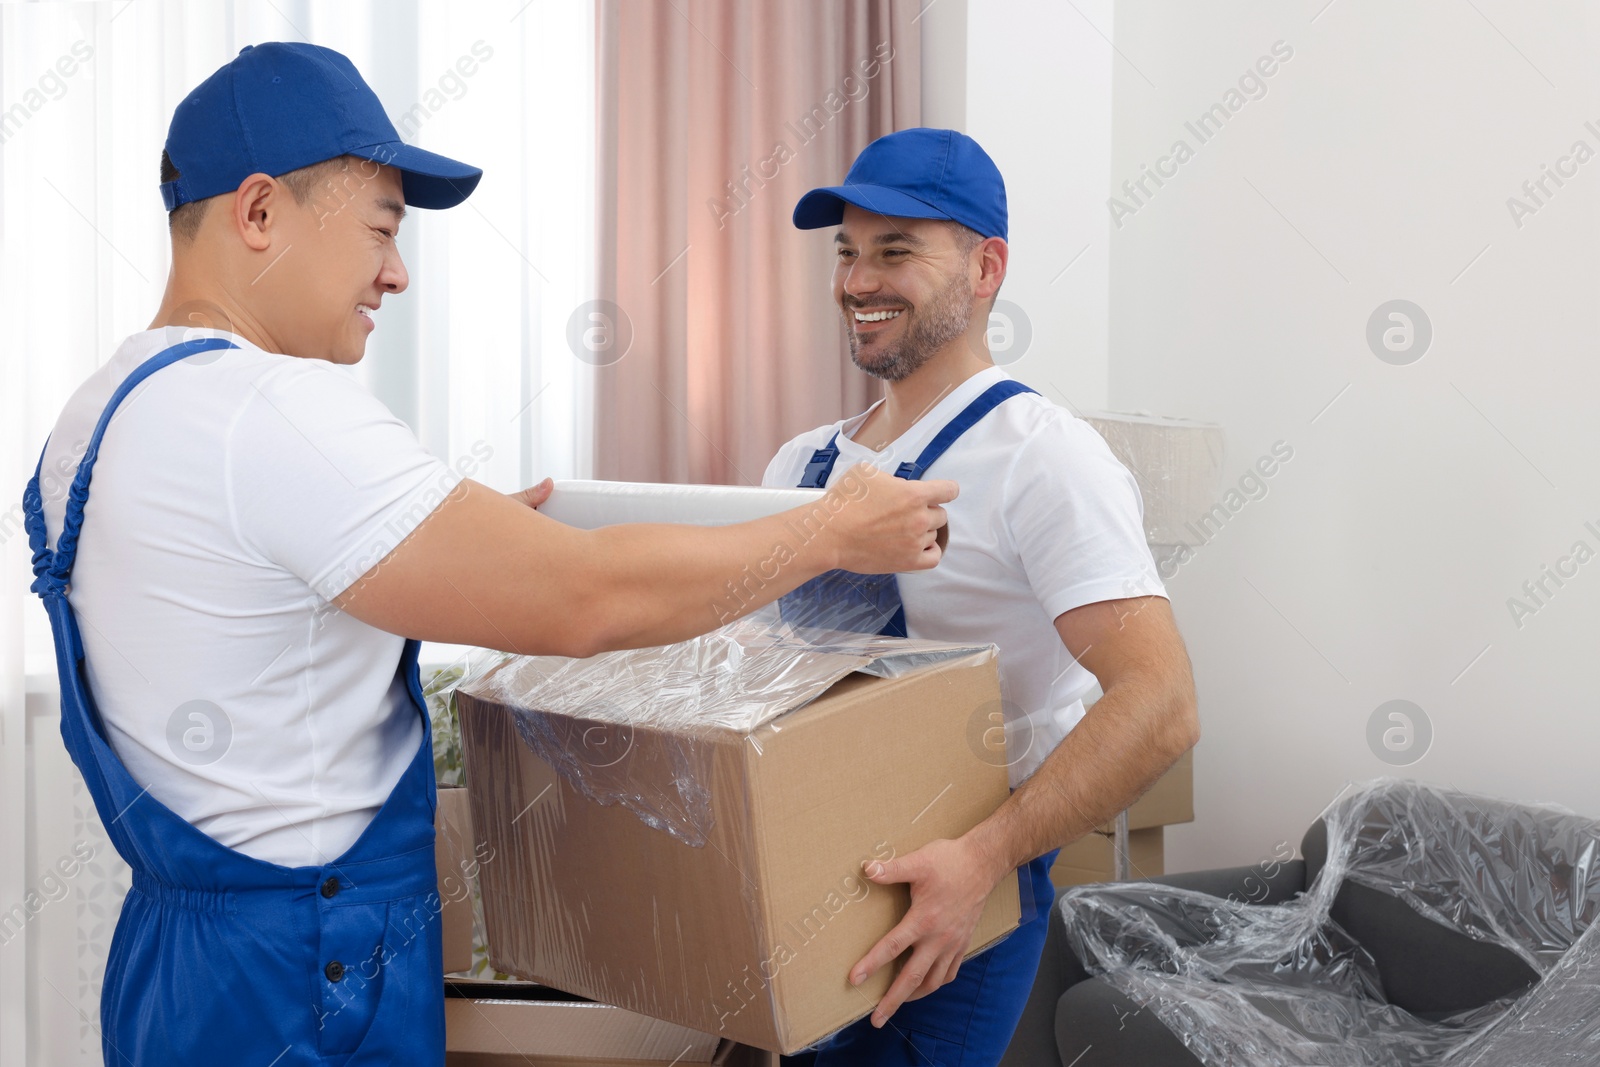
[1177, 464]
[1092, 858]
[533, 1033]
[522, 1024]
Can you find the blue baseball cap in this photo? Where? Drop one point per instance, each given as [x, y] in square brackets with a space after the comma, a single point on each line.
[281, 106]
[916, 174]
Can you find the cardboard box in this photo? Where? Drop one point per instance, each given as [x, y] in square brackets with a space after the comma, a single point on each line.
[457, 866]
[749, 934]
[1170, 800]
[521, 1024]
[1091, 858]
[523, 1033]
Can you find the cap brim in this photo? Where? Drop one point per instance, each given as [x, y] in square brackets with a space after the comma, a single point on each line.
[825, 207]
[428, 179]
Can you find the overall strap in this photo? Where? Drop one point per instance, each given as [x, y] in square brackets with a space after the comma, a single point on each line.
[990, 399]
[52, 569]
[821, 465]
[33, 522]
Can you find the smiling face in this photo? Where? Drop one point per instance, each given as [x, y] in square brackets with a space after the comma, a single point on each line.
[905, 287]
[338, 261]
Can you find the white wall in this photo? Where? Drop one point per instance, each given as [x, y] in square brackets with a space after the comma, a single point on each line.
[1012, 56]
[1379, 563]
[1374, 164]
[943, 26]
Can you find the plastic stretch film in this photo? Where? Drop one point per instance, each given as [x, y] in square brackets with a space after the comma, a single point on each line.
[1264, 985]
[591, 504]
[581, 716]
[838, 600]
[1177, 463]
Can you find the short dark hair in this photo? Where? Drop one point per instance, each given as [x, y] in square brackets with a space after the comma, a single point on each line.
[184, 220]
[966, 237]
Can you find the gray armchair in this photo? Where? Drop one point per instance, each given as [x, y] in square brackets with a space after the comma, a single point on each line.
[1512, 889]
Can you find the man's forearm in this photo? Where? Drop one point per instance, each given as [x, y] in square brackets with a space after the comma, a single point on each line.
[655, 583]
[1130, 738]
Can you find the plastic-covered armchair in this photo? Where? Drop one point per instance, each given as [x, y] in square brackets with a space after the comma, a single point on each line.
[1423, 926]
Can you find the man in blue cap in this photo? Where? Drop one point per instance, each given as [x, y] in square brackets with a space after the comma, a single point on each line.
[267, 545]
[1046, 559]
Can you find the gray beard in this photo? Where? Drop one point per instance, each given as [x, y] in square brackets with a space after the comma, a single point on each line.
[945, 317]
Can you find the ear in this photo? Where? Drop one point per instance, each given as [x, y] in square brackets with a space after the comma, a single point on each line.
[992, 255]
[256, 204]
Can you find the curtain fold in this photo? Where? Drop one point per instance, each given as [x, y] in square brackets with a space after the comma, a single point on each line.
[715, 116]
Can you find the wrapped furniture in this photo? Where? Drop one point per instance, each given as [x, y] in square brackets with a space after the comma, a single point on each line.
[1424, 926]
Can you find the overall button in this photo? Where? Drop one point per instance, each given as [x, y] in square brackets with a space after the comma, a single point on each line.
[330, 888]
[334, 971]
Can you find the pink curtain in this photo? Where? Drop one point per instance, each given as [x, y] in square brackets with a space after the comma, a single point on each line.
[715, 116]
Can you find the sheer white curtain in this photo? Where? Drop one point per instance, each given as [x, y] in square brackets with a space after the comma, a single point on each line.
[474, 356]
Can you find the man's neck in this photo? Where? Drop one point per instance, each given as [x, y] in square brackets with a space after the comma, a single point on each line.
[203, 308]
[909, 399]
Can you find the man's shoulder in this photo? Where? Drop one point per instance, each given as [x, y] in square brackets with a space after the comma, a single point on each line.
[213, 371]
[214, 395]
[283, 393]
[1036, 425]
[1032, 445]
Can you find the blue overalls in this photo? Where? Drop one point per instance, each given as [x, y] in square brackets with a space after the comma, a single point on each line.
[969, 1022]
[220, 958]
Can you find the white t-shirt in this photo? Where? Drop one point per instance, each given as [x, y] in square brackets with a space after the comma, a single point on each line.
[1047, 520]
[236, 493]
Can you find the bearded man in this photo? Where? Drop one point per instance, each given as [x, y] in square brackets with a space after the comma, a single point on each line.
[1046, 559]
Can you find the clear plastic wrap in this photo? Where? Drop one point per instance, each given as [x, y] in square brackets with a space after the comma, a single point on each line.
[439, 692]
[581, 715]
[1177, 463]
[1263, 985]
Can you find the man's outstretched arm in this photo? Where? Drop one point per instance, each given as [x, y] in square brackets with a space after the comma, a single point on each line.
[486, 569]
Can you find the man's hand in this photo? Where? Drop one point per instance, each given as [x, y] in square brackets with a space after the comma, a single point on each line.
[950, 880]
[882, 524]
[535, 496]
